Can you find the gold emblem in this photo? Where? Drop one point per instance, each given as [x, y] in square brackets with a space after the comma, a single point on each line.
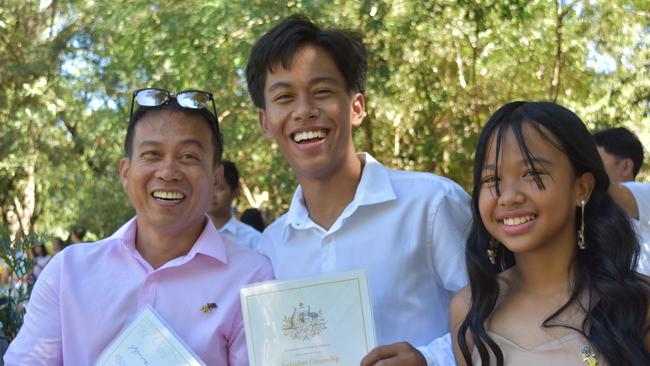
[207, 308]
[303, 324]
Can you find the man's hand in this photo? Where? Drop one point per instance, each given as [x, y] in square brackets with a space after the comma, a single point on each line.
[396, 354]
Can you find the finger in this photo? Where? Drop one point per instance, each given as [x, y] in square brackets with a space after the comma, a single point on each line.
[378, 354]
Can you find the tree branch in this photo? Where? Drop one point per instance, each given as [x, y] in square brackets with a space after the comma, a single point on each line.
[554, 89]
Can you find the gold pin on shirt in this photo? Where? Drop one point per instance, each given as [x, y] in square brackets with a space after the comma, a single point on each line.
[588, 357]
[207, 308]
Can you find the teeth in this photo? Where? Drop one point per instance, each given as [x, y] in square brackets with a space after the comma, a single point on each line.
[512, 221]
[168, 195]
[309, 135]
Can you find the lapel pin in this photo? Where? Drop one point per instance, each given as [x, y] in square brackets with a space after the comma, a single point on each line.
[588, 357]
[207, 308]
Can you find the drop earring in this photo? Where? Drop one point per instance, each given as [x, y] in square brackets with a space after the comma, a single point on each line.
[492, 250]
[581, 232]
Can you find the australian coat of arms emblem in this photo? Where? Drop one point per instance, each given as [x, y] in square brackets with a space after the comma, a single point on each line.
[303, 324]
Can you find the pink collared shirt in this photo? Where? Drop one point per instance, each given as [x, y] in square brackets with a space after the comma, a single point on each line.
[89, 292]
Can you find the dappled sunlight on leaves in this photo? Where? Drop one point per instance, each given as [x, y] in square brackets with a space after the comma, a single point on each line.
[436, 72]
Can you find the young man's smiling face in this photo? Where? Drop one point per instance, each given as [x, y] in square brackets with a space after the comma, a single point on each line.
[310, 114]
[170, 175]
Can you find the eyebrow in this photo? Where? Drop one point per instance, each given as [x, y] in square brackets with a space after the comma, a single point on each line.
[316, 80]
[535, 159]
[146, 143]
[278, 85]
[193, 142]
[151, 143]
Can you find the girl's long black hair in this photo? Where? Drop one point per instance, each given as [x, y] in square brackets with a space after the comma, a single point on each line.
[603, 274]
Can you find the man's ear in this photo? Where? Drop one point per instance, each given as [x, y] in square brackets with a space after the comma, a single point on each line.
[628, 168]
[584, 186]
[357, 109]
[124, 171]
[264, 123]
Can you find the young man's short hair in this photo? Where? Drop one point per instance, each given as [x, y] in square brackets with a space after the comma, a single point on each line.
[207, 116]
[282, 42]
[623, 144]
[231, 174]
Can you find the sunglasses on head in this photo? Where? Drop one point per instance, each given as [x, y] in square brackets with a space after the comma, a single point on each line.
[155, 97]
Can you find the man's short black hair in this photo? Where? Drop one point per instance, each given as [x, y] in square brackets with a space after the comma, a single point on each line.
[231, 174]
[623, 144]
[253, 217]
[211, 120]
[283, 41]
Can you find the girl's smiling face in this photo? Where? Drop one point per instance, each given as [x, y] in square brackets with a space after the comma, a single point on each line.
[528, 192]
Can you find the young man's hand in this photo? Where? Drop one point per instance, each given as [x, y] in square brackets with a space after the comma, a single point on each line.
[396, 354]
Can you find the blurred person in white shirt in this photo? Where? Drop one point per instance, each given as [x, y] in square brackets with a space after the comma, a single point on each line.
[622, 155]
[221, 212]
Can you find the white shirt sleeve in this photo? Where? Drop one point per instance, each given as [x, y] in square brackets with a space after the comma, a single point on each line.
[641, 193]
[439, 352]
[451, 225]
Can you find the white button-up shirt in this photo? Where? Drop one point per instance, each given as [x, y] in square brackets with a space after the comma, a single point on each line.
[641, 193]
[241, 233]
[407, 230]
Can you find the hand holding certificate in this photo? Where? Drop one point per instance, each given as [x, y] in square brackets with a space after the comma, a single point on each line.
[317, 321]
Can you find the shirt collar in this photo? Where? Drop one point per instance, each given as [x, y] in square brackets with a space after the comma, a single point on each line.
[374, 187]
[230, 226]
[209, 243]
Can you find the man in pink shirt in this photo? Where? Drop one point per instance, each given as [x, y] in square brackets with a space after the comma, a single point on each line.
[169, 257]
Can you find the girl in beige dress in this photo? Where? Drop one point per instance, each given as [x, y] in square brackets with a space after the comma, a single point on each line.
[550, 256]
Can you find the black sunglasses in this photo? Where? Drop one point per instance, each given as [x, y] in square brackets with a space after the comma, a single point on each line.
[155, 97]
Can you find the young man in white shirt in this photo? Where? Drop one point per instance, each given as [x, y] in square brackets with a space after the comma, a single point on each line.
[407, 230]
[221, 210]
[622, 155]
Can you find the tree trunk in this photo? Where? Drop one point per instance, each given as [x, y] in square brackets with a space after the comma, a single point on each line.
[554, 90]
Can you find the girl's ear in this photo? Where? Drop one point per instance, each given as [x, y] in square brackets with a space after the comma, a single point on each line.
[584, 186]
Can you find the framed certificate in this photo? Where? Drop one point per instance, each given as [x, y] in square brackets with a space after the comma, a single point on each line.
[325, 320]
[148, 341]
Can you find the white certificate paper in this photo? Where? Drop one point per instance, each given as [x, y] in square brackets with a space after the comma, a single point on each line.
[148, 341]
[326, 320]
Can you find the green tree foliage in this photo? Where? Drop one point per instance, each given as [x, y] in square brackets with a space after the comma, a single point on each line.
[437, 70]
[15, 293]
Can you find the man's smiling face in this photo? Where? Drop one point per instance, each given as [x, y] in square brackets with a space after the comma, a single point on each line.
[170, 174]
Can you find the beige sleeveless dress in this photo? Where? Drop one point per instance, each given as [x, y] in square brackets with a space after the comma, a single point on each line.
[566, 350]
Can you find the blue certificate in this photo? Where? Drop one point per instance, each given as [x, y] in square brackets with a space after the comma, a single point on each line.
[326, 320]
